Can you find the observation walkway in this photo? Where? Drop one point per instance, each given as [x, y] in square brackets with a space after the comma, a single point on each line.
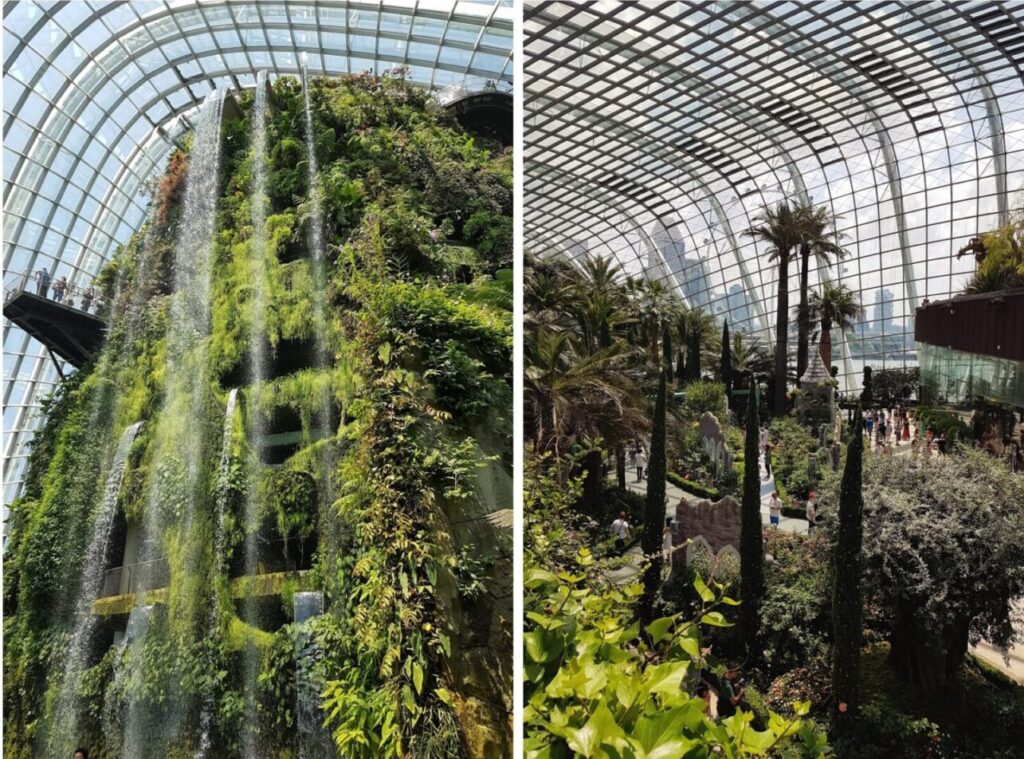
[481, 107]
[66, 329]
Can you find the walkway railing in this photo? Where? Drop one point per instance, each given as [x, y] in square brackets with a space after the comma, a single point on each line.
[133, 578]
[72, 296]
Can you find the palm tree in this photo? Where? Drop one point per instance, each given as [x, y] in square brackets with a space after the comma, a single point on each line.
[652, 304]
[837, 306]
[782, 228]
[818, 225]
[749, 358]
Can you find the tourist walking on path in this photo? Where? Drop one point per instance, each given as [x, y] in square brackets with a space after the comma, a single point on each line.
[621, 530]
[768, 460]
[775, 509]
[42, 282]
[764, 436]
[812, 514]
[641, 463]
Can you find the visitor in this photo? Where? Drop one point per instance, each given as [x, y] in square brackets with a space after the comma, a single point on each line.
[733, 688]
[87, 298]
[100, 305]
[812, 513]
[703, 691]
[42, 282]
[621, 530]
[869, 425]
[666, 544]
[775, 509]
[942, 443]
[764, 436]
[768, 461]
[59, 289]
[80, 753]
[641, 462]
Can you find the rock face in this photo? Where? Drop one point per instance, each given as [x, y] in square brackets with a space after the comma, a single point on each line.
[718, 523]
[713, 439]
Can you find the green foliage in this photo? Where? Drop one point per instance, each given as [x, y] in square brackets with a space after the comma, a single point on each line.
[417, 341]
[943, 423]
[694, 488]
[599, 685]
[705, 396]
[792, 444]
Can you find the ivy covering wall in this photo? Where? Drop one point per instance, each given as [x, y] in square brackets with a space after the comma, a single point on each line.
[396, 503]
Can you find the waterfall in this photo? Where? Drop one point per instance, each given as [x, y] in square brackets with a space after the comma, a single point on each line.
[313, 740]
[257, 370]
[316, 245]
[179, 449]
[66, 714]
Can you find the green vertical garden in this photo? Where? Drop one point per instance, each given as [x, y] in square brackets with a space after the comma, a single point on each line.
[270, 519]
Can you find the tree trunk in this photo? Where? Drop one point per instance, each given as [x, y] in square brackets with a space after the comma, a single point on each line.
[825, 348]
[620, 466]
[919, 659]
[751, 533]
[781, 335]
[654, 511]
[803, 315]
[590, 498]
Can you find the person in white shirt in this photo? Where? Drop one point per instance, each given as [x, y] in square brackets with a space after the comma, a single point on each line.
[641, 463]
[775, 509]
[621, 530]
[812, 514]
[764, 437]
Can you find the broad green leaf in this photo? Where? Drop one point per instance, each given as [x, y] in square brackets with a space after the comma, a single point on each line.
[659, 628]
[706, 594]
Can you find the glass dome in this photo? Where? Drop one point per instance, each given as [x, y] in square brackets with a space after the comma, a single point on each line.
[97, 93]
[656, 133]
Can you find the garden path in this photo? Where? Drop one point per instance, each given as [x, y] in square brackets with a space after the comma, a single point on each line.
[674, 494]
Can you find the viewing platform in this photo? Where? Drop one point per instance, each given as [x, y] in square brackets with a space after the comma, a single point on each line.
[71, 332]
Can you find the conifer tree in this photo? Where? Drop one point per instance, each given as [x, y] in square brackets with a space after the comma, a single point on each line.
[751, 534]
[846, 592]
[726, 364]
[654, 513]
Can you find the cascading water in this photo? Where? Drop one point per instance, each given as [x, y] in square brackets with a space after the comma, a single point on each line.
[317, 248]
[257, 370]
[65, 721]
[179, 447]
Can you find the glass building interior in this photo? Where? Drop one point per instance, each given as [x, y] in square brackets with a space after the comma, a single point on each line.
[97, 95]
[656, 133]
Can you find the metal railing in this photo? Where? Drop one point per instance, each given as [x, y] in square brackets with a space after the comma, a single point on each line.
[60, 291]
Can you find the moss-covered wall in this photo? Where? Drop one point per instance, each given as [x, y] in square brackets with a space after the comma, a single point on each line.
[401, 504]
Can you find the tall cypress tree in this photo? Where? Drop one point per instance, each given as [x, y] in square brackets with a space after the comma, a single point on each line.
[846, 593]
[867, 395]
[726, 364]
[654, 513]
[751, 534]
[680, 368]
[693, 359]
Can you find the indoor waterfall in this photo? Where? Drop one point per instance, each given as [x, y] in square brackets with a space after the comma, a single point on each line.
[257, 371]
[65, 720]
[180, 447]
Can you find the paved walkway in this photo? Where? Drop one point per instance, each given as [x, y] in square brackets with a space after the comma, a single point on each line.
[673, 495]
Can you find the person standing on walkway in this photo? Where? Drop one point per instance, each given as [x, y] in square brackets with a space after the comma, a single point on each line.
[87, 297]
[42, 282]
[812, 513]
[621, 530]
[775, 509]
[59, 289]
[764, 436]
[641, 463]
[768, 460]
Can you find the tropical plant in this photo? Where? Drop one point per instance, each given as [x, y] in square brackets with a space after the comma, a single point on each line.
[655, 508]
[725, 364]
[595, 683]
[817, 238]
[782, 228]
[835, 306]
